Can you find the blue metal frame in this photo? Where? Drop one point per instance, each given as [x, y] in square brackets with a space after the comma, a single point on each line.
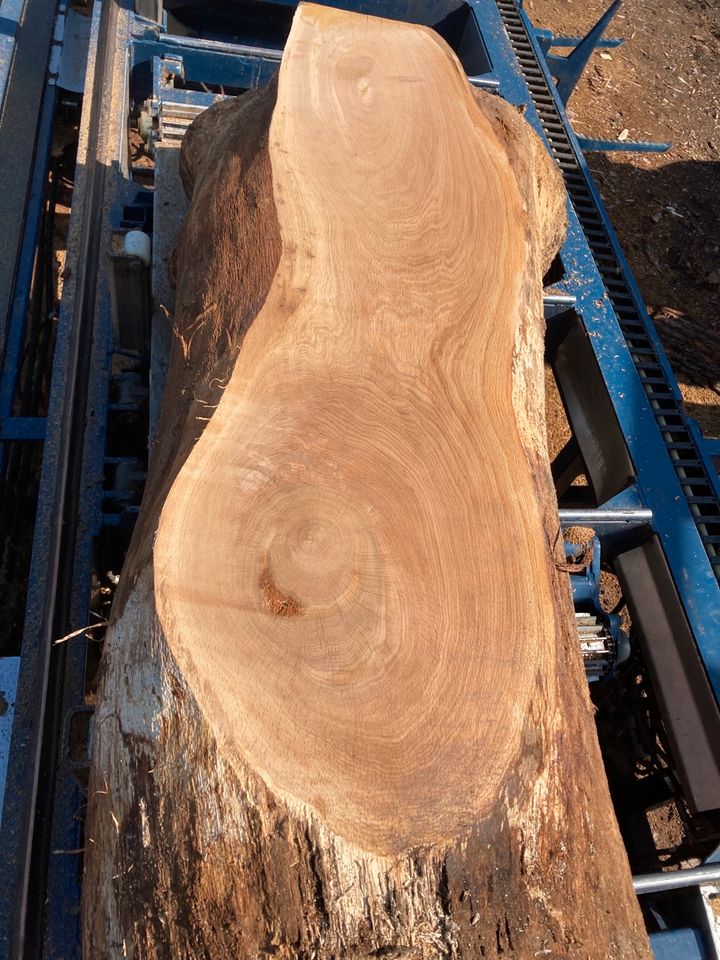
[9, 669]
[12, 328]
[568, 70]
[685, 944]
[31, 34]
[215, 63]
[26, 428]
[47, 672]
[10, 14]
[657, 482]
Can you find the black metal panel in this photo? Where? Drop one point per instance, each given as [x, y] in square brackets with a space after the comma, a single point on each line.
[589, 408]
[687, 704]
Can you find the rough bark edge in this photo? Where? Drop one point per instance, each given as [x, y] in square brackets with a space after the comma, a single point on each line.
[224, 166]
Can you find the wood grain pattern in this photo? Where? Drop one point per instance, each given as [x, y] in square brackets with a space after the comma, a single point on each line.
[327, 560]
[339, 718]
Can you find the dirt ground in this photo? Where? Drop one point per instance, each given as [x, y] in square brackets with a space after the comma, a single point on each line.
[663, 84]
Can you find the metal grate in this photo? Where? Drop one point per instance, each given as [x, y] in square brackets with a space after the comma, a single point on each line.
[679, 441]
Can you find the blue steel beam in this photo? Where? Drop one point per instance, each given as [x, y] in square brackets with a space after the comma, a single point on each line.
[214, 64]
[23, 74]
[9, 667]
[547, 40]
[10, 15]
[682, 944]
[26, 223]
[44, 666]
[22, 428]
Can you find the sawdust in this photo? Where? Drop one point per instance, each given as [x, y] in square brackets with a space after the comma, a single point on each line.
[556, 423]
[581, 536]
[703, 404]
[139, 156]
[667, 827]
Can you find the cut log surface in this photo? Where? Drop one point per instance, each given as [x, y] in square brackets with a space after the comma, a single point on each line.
[343, 712]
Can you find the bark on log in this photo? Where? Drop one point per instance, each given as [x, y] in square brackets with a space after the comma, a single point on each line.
[341, 716]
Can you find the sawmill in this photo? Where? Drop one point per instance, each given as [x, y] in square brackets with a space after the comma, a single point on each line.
[314, 644]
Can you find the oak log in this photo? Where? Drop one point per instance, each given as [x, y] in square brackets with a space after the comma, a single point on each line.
[339, 716]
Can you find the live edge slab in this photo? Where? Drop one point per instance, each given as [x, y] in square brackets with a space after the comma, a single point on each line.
[343, 712]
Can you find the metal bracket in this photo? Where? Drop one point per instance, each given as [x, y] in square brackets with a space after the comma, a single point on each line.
[568, 70]
[602, 641]
[547, 40]
[174, 109]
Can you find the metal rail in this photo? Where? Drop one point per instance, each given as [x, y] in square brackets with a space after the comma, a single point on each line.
[676, 879]
[24, 68]
[592, 517]
[32, 765]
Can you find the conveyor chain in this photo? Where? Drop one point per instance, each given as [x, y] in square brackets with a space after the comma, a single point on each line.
[679, 440]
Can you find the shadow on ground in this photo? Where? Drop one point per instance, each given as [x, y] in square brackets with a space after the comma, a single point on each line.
[668, 221]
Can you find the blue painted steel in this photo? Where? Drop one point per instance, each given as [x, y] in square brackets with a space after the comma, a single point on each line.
[585, 586]
[428, 12]
[10, 14]
[45, 667]
[164, 69]
[628, 499]
[657, 482]
[712, 445]
[12, 427]
[209, 62]
[589, 145]
[586, 597]
[709, 448]
[685, 944]
[567, 70]
[33, 210]
[9, 668]
[22, 428]
[217, 68]
[547, 40]
[164, 72]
